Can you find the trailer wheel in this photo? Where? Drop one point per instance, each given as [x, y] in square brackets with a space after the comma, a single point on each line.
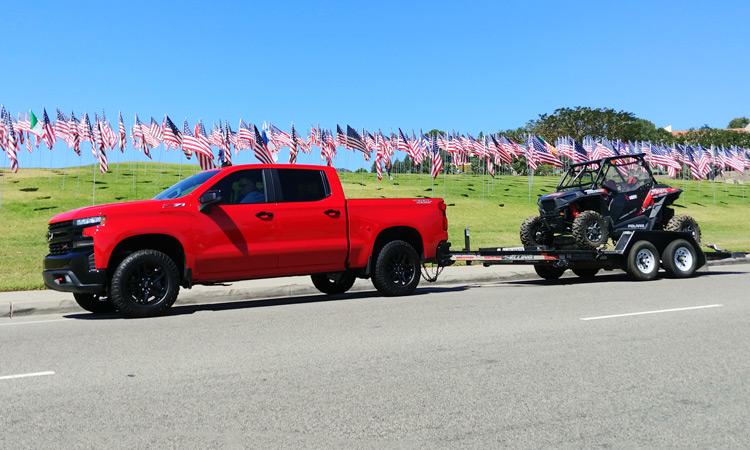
[397, 269]
[548, 272]
[534, 234]
[679, 259]
[586, 273]
[685, 224]
[643, 261]
[333, 283]
[94, 303]
[145, 284]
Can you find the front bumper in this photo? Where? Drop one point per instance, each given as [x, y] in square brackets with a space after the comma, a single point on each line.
[73, 272]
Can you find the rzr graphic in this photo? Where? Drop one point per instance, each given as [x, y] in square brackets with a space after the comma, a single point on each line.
[596, 200]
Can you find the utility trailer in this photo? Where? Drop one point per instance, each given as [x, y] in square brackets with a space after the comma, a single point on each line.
[640, 253]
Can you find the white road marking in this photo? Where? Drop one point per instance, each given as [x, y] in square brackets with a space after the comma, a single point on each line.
[27, 375]
[688, 308]
[29, 322]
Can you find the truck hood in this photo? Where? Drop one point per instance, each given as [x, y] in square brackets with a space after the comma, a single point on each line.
[120, 208]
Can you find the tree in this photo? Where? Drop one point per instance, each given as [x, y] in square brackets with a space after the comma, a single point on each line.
[583, 121]
[738, 122]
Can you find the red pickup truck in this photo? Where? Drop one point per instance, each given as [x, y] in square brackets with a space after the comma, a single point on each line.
[239, 223]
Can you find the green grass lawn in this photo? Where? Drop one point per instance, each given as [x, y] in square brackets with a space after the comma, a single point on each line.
[492, 208]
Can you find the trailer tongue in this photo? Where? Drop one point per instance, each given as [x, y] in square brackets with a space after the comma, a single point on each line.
[638, 252]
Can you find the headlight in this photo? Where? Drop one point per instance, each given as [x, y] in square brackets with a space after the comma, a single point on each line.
[88, 221]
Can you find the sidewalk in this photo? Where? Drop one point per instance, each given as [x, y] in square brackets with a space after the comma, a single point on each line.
[23, 303]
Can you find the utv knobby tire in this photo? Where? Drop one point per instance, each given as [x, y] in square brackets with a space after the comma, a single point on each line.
[685, 224]
[397, 269]
[333, 283]
[94, 303]
[590, 230]
[123, 290]
[533, 234]
[548, 272]
[642, 261]
[679, 259]
[585, 273]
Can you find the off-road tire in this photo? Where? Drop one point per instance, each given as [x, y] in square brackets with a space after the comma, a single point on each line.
[548, 272]
[585, 273]
[685, 224]
[94, 303]
[333, 283]
[679, 259]
[121, 294]
[590, 230]
[532, 233]
[642, 261]
[397, 269]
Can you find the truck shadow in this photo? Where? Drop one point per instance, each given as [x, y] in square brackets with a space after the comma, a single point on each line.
[614, 277]
[178, 309]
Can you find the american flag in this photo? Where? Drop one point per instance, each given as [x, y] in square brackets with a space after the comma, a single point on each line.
[121, 132]
[260, 148]
[203, 151]
[138, 134]
[11, 149]
[108, 135]
[403, 142]
[75, 132]
[663, 157]
[340, 137]
[99, 139]
[328, 151]
[227, 145]
[62, 128]
[602, 150]
[245, 137]
[171, 134]
[542, 154]
[436, 165]
[354, 141]
[692, 163]
[704, 161]
[190, 143]
[293, 138]
[153, 134]
[48, 133]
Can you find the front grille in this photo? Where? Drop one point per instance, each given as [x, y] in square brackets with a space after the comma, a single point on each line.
[60, 237]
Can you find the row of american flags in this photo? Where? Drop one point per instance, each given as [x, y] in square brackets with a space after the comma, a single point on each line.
[219, 146]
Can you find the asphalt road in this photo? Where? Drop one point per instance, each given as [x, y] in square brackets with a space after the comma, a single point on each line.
[509, 364]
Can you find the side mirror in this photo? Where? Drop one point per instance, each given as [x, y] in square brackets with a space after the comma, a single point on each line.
[209, 198]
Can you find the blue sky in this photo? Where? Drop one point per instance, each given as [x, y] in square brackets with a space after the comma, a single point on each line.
[468, 66]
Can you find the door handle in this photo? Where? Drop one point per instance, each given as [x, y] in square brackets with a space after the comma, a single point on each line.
[264, 215]
[332, 212]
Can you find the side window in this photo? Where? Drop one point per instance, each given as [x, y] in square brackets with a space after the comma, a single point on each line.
[299, 185]
[243, 187]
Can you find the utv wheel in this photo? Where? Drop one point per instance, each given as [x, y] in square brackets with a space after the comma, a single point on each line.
[145, 284]
[679, 259]
[643, 261]
[590, 230]
[548, 272]
[685, 224]
[585, 273]
[397, 269]
[333, 283]
[94, 303]
[534, 233]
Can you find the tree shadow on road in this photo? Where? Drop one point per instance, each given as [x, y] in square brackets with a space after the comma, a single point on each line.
[268, 302]
[615, 277]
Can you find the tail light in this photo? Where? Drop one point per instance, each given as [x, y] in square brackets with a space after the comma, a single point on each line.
[443, 209]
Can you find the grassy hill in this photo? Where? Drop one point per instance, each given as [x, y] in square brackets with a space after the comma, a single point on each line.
[492, 208]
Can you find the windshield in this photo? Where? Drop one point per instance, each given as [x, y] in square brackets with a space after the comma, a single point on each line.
[186, 186]
[578, 177]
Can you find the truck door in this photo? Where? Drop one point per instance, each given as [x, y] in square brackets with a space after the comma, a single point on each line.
[235, 238]
[310, 223]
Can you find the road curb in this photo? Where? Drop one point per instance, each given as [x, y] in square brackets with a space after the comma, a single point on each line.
[190, 297]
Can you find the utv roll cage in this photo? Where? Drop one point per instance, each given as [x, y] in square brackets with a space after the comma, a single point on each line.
[588, 174]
